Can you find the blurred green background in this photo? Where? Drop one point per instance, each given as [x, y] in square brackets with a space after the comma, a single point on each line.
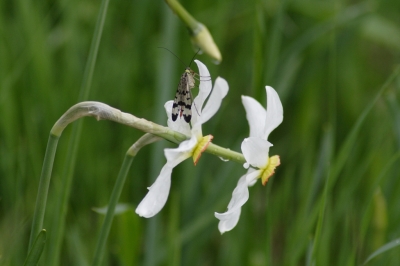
[326, 59]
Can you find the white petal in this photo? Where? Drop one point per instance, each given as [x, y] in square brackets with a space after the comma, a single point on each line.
[229, 219]
[204, 89]
[214, 101]
[168, 108]
[157, 196]
[184, 151]
[179, 125]
[274, 115]
[196, 130]
[252, 176]
[256, 115]
[255, 151]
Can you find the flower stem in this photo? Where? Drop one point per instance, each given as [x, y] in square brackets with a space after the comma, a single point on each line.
[181, 12]
[199, 34]
[103, 111]
[116, 193]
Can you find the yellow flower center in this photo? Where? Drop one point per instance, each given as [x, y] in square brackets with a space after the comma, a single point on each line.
[273, 162]
[201, 147]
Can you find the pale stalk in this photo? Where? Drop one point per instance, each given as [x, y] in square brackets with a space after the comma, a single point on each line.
[103, 111]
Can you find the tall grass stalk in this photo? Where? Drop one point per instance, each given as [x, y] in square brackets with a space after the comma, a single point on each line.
[58, 222]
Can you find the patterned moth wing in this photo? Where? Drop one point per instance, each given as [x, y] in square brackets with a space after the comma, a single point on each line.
[183, 97]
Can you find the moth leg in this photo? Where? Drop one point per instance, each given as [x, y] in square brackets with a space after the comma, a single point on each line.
[198, 77]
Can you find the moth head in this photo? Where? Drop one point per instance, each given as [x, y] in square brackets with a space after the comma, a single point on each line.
[189, 71]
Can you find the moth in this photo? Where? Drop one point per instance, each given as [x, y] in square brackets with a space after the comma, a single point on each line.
[182, 105]
[183, 98]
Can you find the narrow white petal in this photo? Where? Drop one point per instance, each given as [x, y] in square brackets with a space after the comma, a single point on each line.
[168, 108]
[274, 115]
[204, 90]
[184, 151]
[196, 130]
[255, 151]
[252, 176]
[180, 124]
[229, 221]
[214, 101]
[256, 115]
[157, 196]
[230, 218]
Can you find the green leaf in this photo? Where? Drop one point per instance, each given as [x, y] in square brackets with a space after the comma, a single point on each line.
[383, 249]
[36, 250]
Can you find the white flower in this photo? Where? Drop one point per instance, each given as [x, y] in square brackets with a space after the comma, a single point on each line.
[157, 196]
[256, 152]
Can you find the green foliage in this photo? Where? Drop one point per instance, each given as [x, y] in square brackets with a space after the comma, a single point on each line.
[37, 249]
[326, 59]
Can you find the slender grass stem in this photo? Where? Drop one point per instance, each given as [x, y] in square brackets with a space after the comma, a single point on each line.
[116, 193]
[41, 199]
[58, 222]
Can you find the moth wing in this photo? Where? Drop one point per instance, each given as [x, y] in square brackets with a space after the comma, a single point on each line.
[178, 104]
[187, 108]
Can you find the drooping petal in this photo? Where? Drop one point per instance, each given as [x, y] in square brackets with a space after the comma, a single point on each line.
[179, 125]
[274, 115]
[184, 151]
[214, 101]
[229, 219]
[240, 195]
[255, 114]
[157, 196]
[255, 151]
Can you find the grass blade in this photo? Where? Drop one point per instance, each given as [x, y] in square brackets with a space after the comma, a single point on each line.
[36, 250]
[384, 248]
[59, 218]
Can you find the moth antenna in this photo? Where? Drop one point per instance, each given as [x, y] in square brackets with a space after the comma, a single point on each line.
[191, 61]
[174, 55]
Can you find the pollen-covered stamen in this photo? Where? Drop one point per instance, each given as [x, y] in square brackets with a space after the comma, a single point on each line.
[273, 162]
[202, 145]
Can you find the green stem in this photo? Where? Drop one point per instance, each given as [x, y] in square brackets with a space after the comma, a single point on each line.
[93, 51]
[105, 230]
[200, 36]
[181, 12]
[116, 193]
[41, 199]
[58, 219]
